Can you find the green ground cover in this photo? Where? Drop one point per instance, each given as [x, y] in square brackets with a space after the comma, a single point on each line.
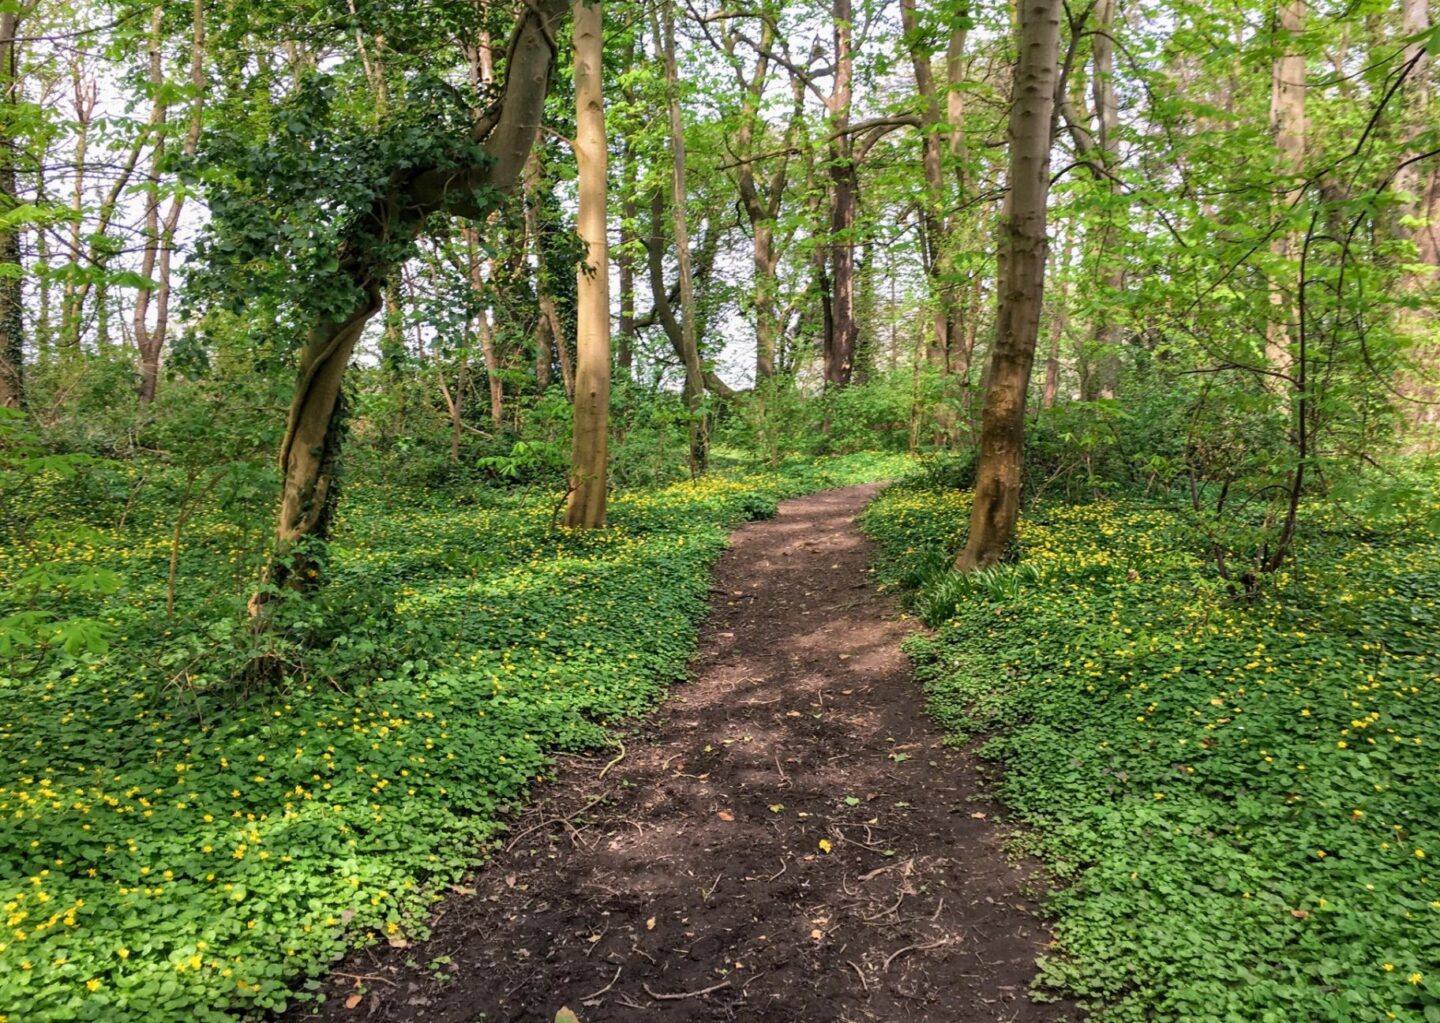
[1241, 799]
[177, 846]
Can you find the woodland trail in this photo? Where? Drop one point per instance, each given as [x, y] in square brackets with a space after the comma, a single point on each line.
[690, 883]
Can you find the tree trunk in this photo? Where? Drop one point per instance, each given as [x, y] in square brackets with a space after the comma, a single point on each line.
[694, 387]
[625, 263]
[309, 451]
[841, 338]
[1287, 121]
[690, 342]
[160, 235]
[1107, 332]
[1059, 321]
[1021, 286]
[938, 136]
[484, 330]
[12, 340]
[589, 453]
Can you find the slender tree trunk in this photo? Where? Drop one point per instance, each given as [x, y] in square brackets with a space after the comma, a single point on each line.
[693, 392]
[589, 453]
[625, 262]
[551, 344]
[694, 367]
[1419, 183]
[1287, 121]
[939, 136]
[843, 334]
[483, 329]
[12, 340]
[1059, 321]
[1108, 334]
[160, 235]
[547, 324]
[1021, 287]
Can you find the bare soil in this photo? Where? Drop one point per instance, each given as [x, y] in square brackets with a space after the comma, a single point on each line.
[785, 839]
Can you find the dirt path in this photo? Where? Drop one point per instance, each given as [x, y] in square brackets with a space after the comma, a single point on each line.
[692, 883]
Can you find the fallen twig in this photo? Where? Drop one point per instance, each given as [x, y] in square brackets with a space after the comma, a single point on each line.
[912, 948]
[684, 994]
[861, 975]
[360, 977]
[553, 820]
[607, 987]
[606, 769]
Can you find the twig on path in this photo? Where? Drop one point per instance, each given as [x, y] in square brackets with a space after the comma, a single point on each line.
[606, 769]
[708, 892]
[912, 948]
[783, 776]
[679, 996]
[553, 820]
[607, 987]
[881, 870]
[360, 977]
[885, 913]
[863, 983]
[783, 867]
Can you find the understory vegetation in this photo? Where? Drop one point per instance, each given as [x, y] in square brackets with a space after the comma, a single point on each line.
[1238, 797]
[185, 846]
[379, 378]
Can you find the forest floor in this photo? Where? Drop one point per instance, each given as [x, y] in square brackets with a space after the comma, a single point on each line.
[787, 838]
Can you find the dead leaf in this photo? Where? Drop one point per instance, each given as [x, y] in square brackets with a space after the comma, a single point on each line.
[725, 815]
[978, 815]
[825, 845]
[650, 924]
[354, 1000]
[1299, 914]
[817, 934]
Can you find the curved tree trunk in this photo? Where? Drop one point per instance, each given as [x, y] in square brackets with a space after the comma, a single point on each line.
[1021, 286]
[586, 504]
[310, 449]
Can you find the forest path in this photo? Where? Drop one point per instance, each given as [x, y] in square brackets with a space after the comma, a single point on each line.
[691, 882]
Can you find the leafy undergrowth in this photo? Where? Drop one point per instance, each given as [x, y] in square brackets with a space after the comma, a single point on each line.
[1242, 798]
[173, 847]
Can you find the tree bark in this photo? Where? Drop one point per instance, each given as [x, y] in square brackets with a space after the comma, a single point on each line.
[1021, 287]
[1059, 321]
[160, 235]
[310, 448]
[690, 342]
[843, 333]
[1287, 121]
[1108, 334]
[589, 453]
[941, 135]
[12, 339]
[693, 392]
